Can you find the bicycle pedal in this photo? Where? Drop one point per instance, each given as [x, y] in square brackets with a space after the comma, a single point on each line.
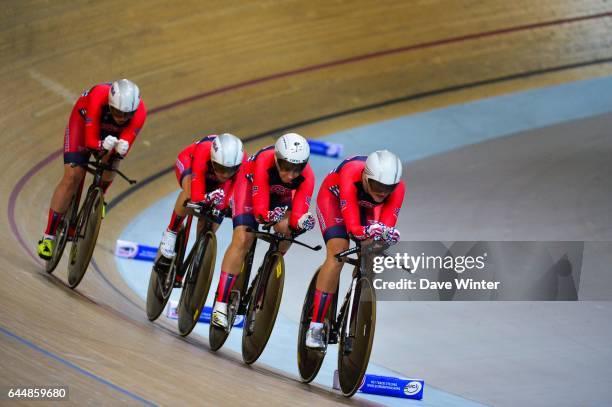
[333, 338]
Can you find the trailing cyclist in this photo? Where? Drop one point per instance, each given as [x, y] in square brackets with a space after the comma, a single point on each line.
[274, 187]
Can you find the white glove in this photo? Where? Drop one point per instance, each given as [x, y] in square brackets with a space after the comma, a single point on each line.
[122, 147]
[109, 143]
[214, 198]
[306, 222]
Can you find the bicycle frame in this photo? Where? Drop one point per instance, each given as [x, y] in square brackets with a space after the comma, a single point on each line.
[274, 239]
[207, 215]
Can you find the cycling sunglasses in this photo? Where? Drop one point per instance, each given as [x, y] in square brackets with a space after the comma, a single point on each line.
[121, 115]
[380, 188]
[222, 169]
[285, 165]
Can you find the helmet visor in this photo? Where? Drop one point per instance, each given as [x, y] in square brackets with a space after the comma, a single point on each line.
[285, 165]
[121, 115]
[222, 169]
[380, 188]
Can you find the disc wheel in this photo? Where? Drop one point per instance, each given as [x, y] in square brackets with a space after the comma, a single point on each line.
[354, 349]
[261, 312]
[217, 335]
[84, 243]
[160, 288]
[197, 283]
[310, 360]
[61, 237]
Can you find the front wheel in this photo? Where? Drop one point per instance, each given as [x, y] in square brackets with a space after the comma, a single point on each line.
[356, 338]
[197, 283]
[87, 229]
[263, 308]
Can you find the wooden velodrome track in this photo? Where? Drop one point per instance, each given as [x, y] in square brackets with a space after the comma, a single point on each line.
[254, 69]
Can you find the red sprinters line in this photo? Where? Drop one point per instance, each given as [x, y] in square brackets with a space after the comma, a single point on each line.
[23, 180]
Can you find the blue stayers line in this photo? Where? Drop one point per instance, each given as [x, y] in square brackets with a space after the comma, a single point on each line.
[75, 367]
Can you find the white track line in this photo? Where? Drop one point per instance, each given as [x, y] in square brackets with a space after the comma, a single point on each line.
[53, 86]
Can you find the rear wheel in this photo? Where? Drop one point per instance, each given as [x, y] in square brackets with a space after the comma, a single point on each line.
[356, 338]
[61, 236]
[197, 283]
[310, 360]
[263, 308]
[87, 229]
[161, 281]
[217, 335]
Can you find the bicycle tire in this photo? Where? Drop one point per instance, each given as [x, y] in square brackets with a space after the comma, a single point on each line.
[61, 236]
[87, 229]
[254, 343]
[311, 360]
[352, 365]
[195, 290]
[156, 301]
[216, 335]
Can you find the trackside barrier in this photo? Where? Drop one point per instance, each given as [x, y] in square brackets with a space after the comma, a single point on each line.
[135, 251]
[325, 148]
[388, 386]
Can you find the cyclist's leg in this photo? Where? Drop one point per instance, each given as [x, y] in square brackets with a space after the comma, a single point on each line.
[75, 154]
[242, 218]
[336, 240]
[327, 283]
[235, 254]
[179, 212]
[69, 184]
[230, 269]
[183, 176]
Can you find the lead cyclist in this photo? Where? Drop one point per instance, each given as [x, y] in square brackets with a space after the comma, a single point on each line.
[361, 197]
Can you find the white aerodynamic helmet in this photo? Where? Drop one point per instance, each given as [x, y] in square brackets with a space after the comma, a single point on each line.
[226, 153]
[124, 96]
[292, 152]
[383, 171]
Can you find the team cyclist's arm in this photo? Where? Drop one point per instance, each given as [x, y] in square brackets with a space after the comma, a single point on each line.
[261, 186]
[302, 197]
[96, 98]
[131, 131]
[199, 167]
[391, 208]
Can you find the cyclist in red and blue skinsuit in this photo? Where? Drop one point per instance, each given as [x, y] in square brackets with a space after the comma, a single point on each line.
[274, 187]
[107, 117]
[206, 172]
[361, 198]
